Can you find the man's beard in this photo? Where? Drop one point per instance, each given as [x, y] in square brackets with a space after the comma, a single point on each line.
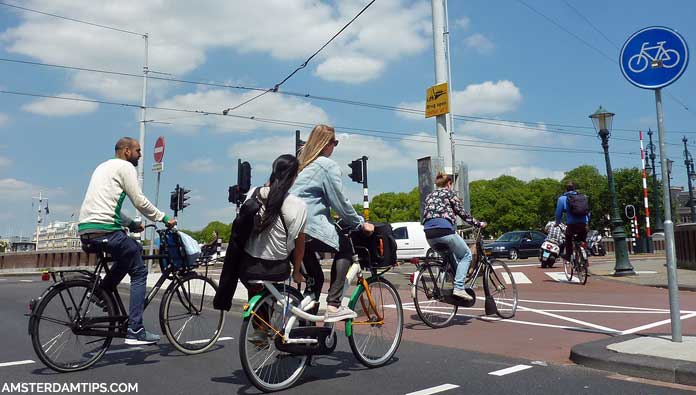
[134, 162]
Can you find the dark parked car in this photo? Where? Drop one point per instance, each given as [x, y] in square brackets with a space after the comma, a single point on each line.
[517, 244]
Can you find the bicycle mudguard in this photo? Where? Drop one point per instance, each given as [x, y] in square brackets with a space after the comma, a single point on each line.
[249, 306]
[351, 304]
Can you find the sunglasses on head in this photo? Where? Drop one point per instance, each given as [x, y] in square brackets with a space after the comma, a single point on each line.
[334, 142]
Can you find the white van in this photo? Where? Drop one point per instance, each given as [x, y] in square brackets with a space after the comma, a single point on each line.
[410, 240]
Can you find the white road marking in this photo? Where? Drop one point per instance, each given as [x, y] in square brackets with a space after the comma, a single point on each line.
[25, 362]
[512, 369]
[646, 272]
[573, 320]
[207, 340]
[596, 305]
[654, 324]
[512, 266]
[519, 277]
[27, 281]
[434, 390]
[561, 277]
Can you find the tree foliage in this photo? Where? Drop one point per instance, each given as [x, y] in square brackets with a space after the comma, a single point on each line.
[205, 235]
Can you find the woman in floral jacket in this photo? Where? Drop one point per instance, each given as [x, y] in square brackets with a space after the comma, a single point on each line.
[439, 221]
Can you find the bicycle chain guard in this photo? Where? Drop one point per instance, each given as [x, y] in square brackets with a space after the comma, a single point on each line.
[326, 341]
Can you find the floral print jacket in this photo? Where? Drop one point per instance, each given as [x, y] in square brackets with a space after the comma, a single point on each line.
[443, 203]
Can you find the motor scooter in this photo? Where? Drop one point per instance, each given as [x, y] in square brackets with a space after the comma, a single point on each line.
[594, 239]
[552, 246]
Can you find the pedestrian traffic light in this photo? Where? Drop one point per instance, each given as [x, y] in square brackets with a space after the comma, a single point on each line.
[183, 198]
[356, 170]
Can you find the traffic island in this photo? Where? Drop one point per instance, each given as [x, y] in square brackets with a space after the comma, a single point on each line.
[652, 356]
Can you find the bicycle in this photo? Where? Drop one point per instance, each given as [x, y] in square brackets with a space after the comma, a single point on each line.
[281, 313]
[662, 56]
[73, 323]
[578, 263]
[433, 285]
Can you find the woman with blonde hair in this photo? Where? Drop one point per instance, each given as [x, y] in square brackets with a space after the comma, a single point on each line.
[439, 222]
[319, 186]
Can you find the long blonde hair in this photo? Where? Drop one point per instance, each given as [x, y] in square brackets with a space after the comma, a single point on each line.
[321, 136]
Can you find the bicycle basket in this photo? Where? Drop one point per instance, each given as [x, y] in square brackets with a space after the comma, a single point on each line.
[180, 249]
[378, 249]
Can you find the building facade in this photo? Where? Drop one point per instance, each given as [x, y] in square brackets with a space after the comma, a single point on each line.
[57, 236]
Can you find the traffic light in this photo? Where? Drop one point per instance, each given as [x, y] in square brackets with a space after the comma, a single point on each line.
[356, 170]
[174, 199]
[183, 198]
[244, 176]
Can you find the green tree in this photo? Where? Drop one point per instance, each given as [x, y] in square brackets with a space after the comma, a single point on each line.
[205, 235]
[545, 192]
[395, 207]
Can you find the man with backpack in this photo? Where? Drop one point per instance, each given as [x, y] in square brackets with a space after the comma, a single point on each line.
[577, 209]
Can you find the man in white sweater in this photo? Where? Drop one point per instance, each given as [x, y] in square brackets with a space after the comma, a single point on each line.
[102, 228]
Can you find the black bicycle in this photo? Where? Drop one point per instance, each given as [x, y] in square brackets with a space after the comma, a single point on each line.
[578, 263]
[433, 286]
[74, 321]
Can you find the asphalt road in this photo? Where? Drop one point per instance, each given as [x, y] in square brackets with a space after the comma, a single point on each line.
[456, 359]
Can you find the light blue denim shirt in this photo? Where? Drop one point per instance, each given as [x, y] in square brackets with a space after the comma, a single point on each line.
[319, 186]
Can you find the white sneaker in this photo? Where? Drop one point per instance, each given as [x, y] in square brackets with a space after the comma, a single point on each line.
[461, 293]
[341, 313]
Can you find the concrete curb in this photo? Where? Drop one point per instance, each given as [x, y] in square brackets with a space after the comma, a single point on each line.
[596, 355]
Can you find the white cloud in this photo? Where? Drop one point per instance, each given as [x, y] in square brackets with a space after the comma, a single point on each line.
[61, 108]
[487, 98]
[202, 165]
[463, 23]
[263, 28]
[4, 119]
[4, 162]
[273, 106]
[12, 189]
[352, 69]
[479, 42]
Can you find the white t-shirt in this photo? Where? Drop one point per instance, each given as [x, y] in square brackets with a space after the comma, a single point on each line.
[273, 243]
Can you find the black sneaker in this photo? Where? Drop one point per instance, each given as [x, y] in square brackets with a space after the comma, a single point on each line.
[141, 337]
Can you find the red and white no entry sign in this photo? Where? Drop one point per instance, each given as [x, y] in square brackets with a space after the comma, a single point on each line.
[159, 149]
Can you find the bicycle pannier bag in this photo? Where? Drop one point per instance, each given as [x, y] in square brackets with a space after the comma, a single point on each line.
[578, 204]
[381, 245]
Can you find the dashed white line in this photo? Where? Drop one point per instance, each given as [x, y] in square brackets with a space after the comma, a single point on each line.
[434, 390]
[207, 340]
[24, 362]
[124, 350]
[27, 281]
[519, 277]
[561, 277]
[512, 369]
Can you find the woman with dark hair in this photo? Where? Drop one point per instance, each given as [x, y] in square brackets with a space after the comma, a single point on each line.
[279, 227]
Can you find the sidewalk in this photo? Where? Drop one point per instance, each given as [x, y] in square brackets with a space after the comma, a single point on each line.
[652, 356]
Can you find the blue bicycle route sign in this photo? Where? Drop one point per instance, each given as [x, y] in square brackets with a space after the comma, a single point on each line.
[654, 57]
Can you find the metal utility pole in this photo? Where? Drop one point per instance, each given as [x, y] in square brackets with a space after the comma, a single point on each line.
[689, 162]
[444, 142]
[143, 121]
[659, 227]
[38, 217]
[669, 227]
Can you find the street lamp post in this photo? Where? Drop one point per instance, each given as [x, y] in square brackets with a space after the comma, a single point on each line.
[689, 162]
[601, 120]
[659, 227]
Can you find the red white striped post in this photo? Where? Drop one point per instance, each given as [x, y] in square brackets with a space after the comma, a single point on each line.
[645, 187]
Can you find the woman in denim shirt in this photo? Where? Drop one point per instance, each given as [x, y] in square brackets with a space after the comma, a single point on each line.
[319, 186]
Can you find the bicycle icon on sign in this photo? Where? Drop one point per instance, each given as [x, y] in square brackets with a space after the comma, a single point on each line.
[666, 58]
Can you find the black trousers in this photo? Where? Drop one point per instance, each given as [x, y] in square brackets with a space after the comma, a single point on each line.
[574, 232]
[339, 269]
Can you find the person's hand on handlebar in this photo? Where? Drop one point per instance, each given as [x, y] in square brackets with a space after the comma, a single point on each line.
[482, 225]
[368, 228]
[171, 223]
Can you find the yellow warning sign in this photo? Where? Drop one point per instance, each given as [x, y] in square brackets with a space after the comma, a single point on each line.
[436, 100]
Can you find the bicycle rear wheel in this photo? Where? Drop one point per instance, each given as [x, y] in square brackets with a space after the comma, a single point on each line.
[581, 267]
[375, 334]
[568, 269]
[431, 281]
[499, 285]
[268, 368]
[188, 317]
[55, 316]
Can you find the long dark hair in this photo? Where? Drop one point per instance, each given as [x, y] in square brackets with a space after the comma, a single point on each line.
[284, 171]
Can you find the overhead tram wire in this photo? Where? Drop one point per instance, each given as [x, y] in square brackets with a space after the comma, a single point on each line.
[72, 19]
[510, 123]
[303, 65]
[404, 136]
[557, 24]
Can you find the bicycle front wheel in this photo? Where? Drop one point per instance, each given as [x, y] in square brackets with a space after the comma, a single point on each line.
[375, 334]
[500, 286]
[268, 368]
[581, 267]
[55, 317]
[428, 288]
[568, 269]
[188, 317]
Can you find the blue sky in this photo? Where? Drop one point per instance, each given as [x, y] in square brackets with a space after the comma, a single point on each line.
[508, 63]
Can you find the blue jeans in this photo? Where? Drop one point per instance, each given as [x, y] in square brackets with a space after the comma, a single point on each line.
[461, 252]
[128, 256]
